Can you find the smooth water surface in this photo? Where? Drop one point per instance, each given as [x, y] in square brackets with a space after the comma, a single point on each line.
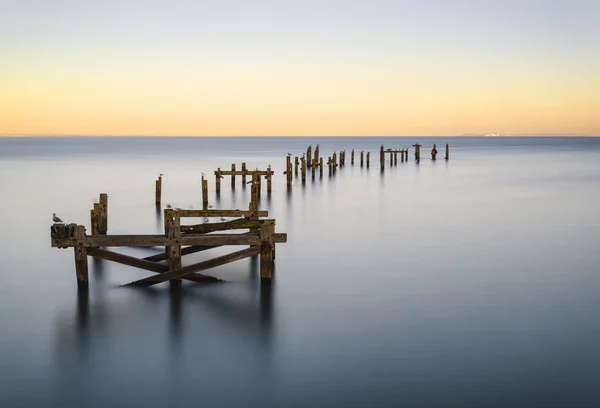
[472, 282]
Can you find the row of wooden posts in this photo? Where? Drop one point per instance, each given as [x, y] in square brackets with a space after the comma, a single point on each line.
[178, 240]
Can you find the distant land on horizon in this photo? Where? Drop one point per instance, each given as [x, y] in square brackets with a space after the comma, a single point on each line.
[461, 135]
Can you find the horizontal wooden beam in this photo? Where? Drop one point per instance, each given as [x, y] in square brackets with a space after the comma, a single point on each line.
[184, 251]
[243, 173]
[220, 226]
[200, 266]
[157, 240]
[126, 260]
[279, 238]
[213, 213]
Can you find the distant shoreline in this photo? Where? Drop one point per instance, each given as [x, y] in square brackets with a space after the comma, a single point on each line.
[295, 136]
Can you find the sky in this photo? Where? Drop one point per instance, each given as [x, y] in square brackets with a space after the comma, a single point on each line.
[300, 68]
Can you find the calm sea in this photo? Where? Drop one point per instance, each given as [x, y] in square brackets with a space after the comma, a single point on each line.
[468, 283]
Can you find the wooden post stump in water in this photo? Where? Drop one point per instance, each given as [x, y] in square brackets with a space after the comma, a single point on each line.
[244, 174]
[95, 219]
[175, 250]
[382, 158]
[316, 162]
[391, 159]
[218, 181]
[288, 170]
[309, 156]
[233, 176]
[417, 152]
[352, 157]
[204, 192]
[321, 167]
[447, 152]
[296, 162]
[266, 252]
[434, 152]
[334, 164]
[103, 216]
[303, 170]
[368, 159]
[158, 190]
[269, 178]
[402, 156]
[396, 157]
[362, 157]
[81, 262]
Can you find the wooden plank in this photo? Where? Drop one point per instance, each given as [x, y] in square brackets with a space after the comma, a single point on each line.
[241, 172]
[214, 213]
[220, 226]
[158, 240]
[280, 237]
[126, 260]
[184, 251]
[200, 266]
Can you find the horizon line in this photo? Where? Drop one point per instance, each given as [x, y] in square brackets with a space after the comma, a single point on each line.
[307, 136]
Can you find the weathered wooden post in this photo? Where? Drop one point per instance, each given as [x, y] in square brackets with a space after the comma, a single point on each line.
[81, 262]
[204, 192]
[254, 195]
[320, 167]
[447, 152]
[362, 157]
[406, 155]
[334, 162]
[342, 158]
[434, 152]
[303, 160]
[309, 156]
[329, 164]
[218, 181]
[316, 162]
[158, 189]
[395, 157]
[244, 174]
[402, 156]
[258, 182]
[313, 169]
[391, 159]
[368, 159]
[296, 162]
[269, 178]
[174, 236]
[382, 158]
[233, 177]
[417, 152]
[352, 157]
[288, 170]
[103, 217]
[266, 252]
[95, 219]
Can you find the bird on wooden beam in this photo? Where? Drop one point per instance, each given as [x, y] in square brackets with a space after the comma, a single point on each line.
[55, 218]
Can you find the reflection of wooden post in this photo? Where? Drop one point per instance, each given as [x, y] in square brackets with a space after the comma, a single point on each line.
[244, 174]
[269, 176]
[204, 192]
[382, 158]
[174, 235]
[233, 177]
[320, 167]
[158, 190]
[447, 152]
[368, 159]
[309, 156]
[218, 181]
[352, 157]
[266, 252]
[81, 263]
[103, 216]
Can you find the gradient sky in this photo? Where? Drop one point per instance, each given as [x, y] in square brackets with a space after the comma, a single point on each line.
[337, 67]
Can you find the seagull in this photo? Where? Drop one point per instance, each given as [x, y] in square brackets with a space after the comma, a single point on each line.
[205, 219]
[210, 206]
[168, 206]
[203, 174]
[289, 154]
[55, 218]
[160, 174]
[179, 209]
[222, 218]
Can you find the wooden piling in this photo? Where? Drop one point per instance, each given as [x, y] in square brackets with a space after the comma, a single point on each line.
[288, 170]
[313, 169]
[254, 196]
[244, 174]
[330, 165]
[352, 157]
[175, 250]
[204, 192]
[316, 162]
[309, 156]
[103, 214]
[417, 152]
[269, 177]
[218, 181]
[95, 219]
[382, 158]
[303, 170]
[362, 158]
[391, 159]
[334, 164]
[296, 162]
[434, 152]
[368, 159]
[321, 167]
[447, 152]
[402, 156]
[233, 177]
[266, 252]
[158, 190]
[81, 262]
[396, 158]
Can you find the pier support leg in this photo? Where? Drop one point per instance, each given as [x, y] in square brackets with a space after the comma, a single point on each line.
[447, 152]
[266, 253]
[175, 251]
[362, 159]
[382, 158]
[296, 162]
[158, 190]
[233, 177]
[81, 262]
[103, 216]
[368, 159]
[352, 157]
[244, 174]
[269, 179]
[320, 167]
[218, 181]
[309, 156]
[303, 161]
[204, 192]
